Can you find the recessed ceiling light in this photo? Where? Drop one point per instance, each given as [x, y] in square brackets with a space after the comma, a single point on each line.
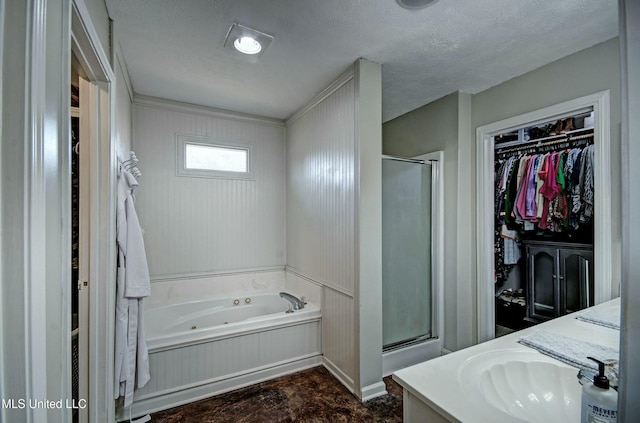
[246, 40]
[247, 45]
[415, 4]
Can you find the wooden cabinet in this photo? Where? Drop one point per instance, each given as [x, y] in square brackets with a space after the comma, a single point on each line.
[559, 279]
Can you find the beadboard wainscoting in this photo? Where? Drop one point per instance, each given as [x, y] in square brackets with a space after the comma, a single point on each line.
[188, 371]
[338, 333]
[199, 226]
[321, 215]
[321, 190]
[333, 191]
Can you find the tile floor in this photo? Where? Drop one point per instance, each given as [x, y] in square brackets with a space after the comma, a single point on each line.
[310, 396]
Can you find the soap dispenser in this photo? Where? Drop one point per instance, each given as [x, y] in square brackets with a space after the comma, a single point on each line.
[599, 402]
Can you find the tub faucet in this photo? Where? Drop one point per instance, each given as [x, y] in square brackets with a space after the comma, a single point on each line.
[296, 303]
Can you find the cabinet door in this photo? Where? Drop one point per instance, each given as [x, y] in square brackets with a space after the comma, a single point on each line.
[543, 290]
[576, 273]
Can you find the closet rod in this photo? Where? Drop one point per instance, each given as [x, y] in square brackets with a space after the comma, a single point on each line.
[581, 137]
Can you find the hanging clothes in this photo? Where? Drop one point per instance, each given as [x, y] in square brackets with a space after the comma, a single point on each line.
[546, 191]
[510, 240]
[540, 191]
[133, 284]
[586, 212]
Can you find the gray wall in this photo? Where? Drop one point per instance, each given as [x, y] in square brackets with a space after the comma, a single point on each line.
[429, 128]
[586, 72]
[449, 124]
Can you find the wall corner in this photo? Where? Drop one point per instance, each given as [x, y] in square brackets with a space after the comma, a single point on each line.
[465, 287]
[368, 292]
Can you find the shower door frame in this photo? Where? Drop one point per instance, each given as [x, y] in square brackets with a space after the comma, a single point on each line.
[417, 351]
[437, 244]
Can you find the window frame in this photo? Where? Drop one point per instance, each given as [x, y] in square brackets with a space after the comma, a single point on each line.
[182, 140]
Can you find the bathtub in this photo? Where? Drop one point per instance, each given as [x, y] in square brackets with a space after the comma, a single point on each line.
[203, 348]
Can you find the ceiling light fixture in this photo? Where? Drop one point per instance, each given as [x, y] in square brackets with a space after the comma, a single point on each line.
[247, 40]
[247, 45]
[415, 4]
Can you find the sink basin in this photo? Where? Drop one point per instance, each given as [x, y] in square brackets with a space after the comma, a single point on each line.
[533, 391]
[524, 385]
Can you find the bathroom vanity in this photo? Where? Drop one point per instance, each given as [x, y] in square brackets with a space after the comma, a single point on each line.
[502, 380]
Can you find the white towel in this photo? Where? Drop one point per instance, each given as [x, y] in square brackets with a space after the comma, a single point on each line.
[568, 350]
[600, 317]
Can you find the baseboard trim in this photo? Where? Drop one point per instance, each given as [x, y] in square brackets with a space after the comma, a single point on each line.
[339, 374]
[174, 399]
[372, 391]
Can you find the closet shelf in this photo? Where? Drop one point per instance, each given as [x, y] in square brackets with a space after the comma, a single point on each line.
[568, 134]
[577, 135]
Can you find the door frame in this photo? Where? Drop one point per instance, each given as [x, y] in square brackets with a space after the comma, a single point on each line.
[430, 348]
[485, 198]
[437, 247]
[101, 161]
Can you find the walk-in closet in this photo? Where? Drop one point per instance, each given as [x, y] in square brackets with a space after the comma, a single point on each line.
[75, 239]
[79, 207]
[544, 212]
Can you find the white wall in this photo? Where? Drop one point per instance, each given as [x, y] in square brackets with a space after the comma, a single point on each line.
[334, 219]
[100, 19]
[321, 214]
[321, 191]
[629, 407]
[122, 136]
[205, 226]
[368, 136]
[35, 207]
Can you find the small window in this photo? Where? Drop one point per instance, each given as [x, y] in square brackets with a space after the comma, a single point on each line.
[211, 158]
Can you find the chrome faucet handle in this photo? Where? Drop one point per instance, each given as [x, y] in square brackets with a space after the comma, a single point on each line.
[303, 299]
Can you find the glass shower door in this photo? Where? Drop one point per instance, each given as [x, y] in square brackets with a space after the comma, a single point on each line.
[406, 251]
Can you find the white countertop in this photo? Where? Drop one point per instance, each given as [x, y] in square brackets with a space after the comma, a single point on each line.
[439, 383]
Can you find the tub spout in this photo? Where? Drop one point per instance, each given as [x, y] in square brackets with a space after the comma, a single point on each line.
[296, 303]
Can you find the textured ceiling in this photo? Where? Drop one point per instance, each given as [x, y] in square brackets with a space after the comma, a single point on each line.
[174, 49]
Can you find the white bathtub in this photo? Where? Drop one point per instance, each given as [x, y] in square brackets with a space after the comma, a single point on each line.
[179, 324]
[206, 347]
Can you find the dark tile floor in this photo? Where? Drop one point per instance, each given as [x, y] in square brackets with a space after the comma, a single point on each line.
[310, 396]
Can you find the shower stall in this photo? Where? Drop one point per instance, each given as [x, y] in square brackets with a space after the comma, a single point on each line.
[409, 294]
